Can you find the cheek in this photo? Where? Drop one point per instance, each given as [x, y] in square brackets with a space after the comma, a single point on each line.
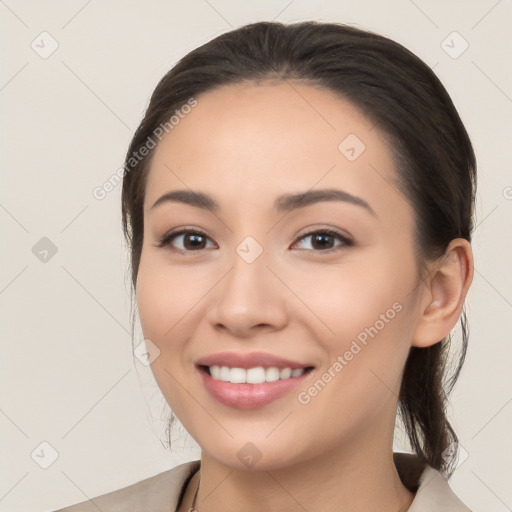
[364, 323]
[348, 298]
[166, 294]
[152, 302]
[162, 306]
[171, 301]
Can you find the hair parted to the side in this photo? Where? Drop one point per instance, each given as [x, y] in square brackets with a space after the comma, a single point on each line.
[434, 158]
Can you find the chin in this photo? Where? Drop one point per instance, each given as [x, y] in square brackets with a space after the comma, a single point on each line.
[252, 455]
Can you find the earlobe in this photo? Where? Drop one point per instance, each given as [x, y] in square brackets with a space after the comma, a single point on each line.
[446, 288]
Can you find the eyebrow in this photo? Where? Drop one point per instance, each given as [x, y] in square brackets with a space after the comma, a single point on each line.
[284, 203]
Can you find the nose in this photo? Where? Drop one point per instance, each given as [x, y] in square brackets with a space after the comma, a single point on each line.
[249, 299]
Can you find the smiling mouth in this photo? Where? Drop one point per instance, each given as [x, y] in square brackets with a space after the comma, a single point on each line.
[255, 375]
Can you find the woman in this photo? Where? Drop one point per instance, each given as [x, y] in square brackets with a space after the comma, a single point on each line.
[298, 200]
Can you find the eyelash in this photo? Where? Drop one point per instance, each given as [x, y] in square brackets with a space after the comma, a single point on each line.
[345, 241]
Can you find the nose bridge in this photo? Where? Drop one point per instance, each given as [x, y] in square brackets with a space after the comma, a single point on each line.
[247, 281]
[250, 249]
[248, 296]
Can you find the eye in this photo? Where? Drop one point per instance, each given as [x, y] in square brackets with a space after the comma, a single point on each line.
[195, 240]
[192, 240]
[323, 240]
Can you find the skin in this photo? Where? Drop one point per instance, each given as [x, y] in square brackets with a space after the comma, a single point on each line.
[245, 145]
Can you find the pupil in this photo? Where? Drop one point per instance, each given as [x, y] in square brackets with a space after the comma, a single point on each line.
[194, 245]
[322, 237]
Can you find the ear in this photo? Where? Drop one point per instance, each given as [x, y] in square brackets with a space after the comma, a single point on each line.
[444, 293]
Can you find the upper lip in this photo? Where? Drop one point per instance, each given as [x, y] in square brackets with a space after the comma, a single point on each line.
[250, 360]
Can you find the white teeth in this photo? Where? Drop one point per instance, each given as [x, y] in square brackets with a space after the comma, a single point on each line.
[224, 373]
[237, 375]
[285, 373]
[256, 375]
[272, 374]
[215, 371]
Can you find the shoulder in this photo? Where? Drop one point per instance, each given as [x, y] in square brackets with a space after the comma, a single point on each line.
[431, 488]
[158, 493]
[434, 493]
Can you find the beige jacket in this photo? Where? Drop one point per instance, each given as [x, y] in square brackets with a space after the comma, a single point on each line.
[163, 492]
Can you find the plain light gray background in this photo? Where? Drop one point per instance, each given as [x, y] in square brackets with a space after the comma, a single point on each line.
[68, 376]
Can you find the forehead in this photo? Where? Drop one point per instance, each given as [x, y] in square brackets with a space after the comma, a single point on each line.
[258, 141]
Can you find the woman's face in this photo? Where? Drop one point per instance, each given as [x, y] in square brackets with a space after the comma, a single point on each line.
[259, 274]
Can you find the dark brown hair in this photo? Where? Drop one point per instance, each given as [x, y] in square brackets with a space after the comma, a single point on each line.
[434, 159]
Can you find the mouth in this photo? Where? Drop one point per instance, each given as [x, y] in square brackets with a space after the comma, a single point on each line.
[251, 388]
[255, 375]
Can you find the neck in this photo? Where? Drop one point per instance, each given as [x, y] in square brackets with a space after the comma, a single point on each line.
[358, 478]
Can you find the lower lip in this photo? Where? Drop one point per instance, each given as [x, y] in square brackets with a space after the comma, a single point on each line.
[249, 396]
